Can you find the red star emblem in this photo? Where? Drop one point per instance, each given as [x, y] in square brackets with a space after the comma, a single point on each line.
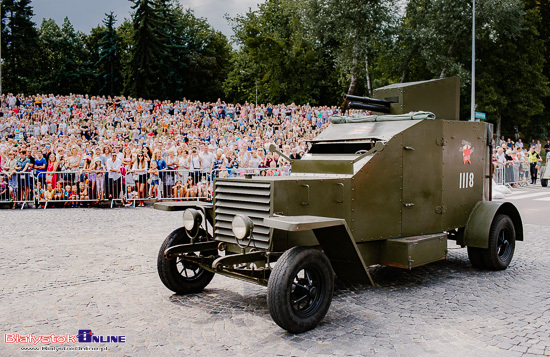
[467, 151]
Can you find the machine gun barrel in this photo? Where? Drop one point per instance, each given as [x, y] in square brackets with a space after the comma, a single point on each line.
[371, 107]
[367, 100]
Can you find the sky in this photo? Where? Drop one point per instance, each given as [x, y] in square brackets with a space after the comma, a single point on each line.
[86, 14]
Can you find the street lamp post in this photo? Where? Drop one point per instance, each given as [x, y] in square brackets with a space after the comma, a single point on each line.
[473, 104]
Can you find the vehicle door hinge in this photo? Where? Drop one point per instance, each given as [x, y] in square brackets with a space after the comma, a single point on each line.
[441, 142]
[440, 209]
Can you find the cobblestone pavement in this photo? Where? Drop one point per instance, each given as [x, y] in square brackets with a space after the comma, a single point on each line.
[64, 270]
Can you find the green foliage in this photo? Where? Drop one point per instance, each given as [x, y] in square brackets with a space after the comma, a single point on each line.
[294, 51]
[173, 54]
[109, 58]
[511, 82]
[63, 67]
[19, 46]
[277, 58]
[356, 32]
[147, 52]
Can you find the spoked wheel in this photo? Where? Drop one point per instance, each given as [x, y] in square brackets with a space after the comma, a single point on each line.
[189, 270]
[502, 243]
[300, 289]
[305, 293]
[178, 275]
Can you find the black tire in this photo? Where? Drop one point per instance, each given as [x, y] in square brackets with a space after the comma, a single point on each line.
[300, 288]
[502, 242]
[544, 182]
[180, 276]
[476, 257]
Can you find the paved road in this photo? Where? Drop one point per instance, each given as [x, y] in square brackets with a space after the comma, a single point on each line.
[533, 203]
[63, 270]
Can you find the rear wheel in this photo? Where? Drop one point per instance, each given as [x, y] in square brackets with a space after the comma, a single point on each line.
[180, 276]
[299, 291]
[502, 243]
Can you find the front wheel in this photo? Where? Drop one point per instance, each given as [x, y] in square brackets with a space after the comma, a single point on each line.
[300, 288]
[180, 276]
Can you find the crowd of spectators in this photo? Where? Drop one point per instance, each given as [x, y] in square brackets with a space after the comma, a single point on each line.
[78, 148]
[153, 146]
[516, 163]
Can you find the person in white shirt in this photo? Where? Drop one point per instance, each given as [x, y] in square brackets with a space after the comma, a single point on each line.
[113, 170]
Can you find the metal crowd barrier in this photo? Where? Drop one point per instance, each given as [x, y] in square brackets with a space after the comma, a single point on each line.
[517, 174]
[17, 188]
[86, 188]
[183, 184]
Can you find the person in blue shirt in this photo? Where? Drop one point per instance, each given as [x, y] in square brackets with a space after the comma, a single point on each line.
[161, 166]
[40, 165]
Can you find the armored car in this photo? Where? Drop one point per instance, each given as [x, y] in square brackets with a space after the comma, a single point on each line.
[389, 188]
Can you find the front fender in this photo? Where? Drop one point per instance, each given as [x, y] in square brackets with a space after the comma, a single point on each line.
[479, 223]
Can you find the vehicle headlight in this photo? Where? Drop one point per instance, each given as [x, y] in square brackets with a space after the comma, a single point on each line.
[242, 226]
[191, 219]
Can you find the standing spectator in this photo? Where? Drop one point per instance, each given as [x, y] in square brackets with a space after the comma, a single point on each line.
[154, 180]
[114, 183]
[99, 171]
[519, 143]
[10, 167]
[140, 169]
[161, 165]
[534, 159]
[195, 164]
[73, 162]
[170, 176]
[25, 165]
[538, 147]
[40, 165]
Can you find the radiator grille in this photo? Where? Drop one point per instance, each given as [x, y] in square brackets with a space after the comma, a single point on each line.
[252, 199]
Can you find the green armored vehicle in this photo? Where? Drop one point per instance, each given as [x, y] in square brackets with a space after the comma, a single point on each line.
[378, 189]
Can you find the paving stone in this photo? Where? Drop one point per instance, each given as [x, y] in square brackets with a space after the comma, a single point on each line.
[64, 270]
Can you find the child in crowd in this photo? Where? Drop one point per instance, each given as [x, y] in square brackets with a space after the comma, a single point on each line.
[39, 191]
[67, 194]
[202, 188]
[273, 170]
[191, 189]
[154, 178]
[178, 191]
[73, 195]
[99, 179]
[48, 194]
[130, 196]
[58, 192]
[4, 189]
[83, 191]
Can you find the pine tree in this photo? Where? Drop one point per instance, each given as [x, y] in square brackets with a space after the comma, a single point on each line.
[149, 48]
[19, 46]
[109, 65]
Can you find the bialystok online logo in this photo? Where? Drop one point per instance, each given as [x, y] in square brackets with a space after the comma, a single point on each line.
[83, 336]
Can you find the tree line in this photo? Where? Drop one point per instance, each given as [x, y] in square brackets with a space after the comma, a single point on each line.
[309, 51]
